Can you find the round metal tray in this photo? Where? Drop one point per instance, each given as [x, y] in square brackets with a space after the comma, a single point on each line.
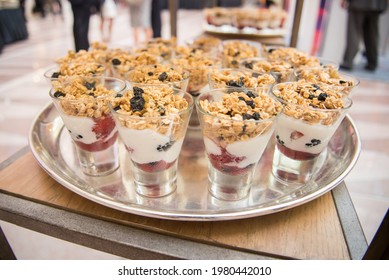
[54, 150]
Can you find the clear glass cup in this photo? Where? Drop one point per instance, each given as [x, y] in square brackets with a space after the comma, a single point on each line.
[89, 121]
[198, 68]
[302, 135]
[153, 141]
[159, 74]
[234, 144]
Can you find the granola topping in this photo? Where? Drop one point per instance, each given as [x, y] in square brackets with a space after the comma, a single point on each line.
[236, 117]
[304, 97]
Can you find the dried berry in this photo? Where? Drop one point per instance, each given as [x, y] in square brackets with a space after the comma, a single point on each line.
[322, 96]
[116, 61]
[234, 62]
[137, 103]
[58, 94]
[250, 94]
[119, 95]
[116, 108]
[163, 76]
[55, 75]
[311, 96]
[250, 103]
[90, 86]
[313, 143]
[246, 116]
[256, 116]
[137, 91]
[249, 65]
[150, 73]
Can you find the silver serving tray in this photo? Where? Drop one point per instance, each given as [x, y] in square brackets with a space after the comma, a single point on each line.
[53, 149]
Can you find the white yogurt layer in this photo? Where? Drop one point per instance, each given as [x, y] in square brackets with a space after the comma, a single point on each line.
[82, 126]
[145, 145]
[287, 125]
[251, 149]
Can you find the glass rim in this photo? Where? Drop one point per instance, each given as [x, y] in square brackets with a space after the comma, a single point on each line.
[190, 107]
[198, 106]
[123, 87]
[152, 65]
[285, 102]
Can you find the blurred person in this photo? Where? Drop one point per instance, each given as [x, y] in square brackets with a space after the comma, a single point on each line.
[140, 17]
[82, 10]
[156, 21]
[108, 14]
[39, 8]
[362, 23]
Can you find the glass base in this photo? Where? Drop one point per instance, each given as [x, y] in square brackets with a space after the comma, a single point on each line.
[155, 184]
[99, 163]
[229, 187]
[295, 172]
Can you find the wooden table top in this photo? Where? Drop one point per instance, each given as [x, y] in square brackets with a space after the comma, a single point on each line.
[310, 231]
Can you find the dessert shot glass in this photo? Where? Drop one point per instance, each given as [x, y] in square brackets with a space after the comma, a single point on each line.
[152, 121]
[198, 66]
[240, 78]
[236, 127]
[159, 74]
[310, 117]
[82, 103]
[329, 76]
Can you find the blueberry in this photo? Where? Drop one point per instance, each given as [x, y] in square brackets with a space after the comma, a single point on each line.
[256, 116]
[316, 87]
[241, 98]
[137, 103]
[163, 76]
[150, 73]
[58, 94]
[237, 53]
[322, 96]
[165, 147]
[116, 61]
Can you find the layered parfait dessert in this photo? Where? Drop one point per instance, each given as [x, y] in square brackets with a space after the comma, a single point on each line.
[152, 122]
[239, 78]
[159, 74]
[311, 115]
[236, 129]
[83, 104]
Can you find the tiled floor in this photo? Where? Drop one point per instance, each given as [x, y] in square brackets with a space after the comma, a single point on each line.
[23, 93]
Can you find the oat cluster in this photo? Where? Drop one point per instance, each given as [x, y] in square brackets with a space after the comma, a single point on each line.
[84, 97]
[235, 51]
[239, 116]
[239, 78]
[159, 74]
[152, 107]
[304, 98]
[295, 57]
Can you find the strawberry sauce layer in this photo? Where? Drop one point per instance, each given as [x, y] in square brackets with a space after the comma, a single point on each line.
[296, 155]
[155, 166]
[225, 162]
[103, 128]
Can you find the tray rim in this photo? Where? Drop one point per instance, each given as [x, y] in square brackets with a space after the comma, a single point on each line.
[172, 215]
